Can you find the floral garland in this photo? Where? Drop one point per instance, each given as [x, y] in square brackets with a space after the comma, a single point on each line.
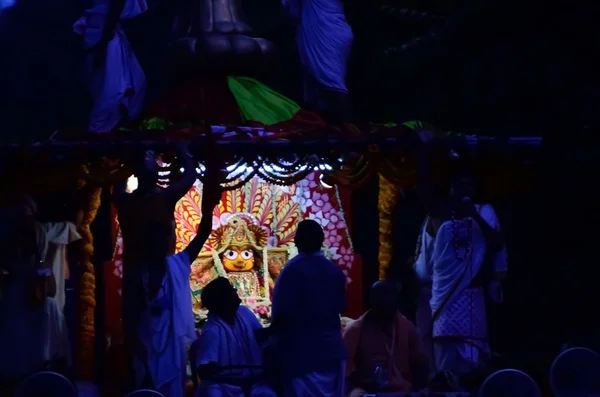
[388, 197]
[265, 274]
[274, 213]
[87, 287]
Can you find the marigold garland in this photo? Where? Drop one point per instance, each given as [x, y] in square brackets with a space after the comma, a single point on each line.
[87, 287]
[388, 197]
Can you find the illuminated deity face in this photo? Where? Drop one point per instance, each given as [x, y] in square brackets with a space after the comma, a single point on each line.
[238, 259]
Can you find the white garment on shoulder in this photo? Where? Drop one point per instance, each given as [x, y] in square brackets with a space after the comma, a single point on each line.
[324, 40]
[461, 309]
[453, 264]
[165, 335]
[230, 344]
[62, 234]
[423, 263]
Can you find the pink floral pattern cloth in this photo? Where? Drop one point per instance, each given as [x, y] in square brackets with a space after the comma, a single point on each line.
[322, 205]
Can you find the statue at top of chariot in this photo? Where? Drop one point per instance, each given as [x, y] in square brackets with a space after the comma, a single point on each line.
[206, 34]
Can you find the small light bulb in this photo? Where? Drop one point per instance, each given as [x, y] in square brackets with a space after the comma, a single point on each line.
[132, 184]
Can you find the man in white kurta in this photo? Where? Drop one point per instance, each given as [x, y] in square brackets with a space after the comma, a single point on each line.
[309, 296]
[228, 342]
[458, 310]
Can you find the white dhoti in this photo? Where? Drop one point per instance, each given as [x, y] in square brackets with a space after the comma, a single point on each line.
[460, 327]
[318, 384]
[460, 334]
[166, 327]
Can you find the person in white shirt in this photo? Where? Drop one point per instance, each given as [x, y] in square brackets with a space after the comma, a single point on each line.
[228, 339]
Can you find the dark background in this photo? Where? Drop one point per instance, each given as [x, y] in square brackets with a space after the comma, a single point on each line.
[551, 230]
[483, 66]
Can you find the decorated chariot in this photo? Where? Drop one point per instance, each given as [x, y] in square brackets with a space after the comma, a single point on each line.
[282, 164]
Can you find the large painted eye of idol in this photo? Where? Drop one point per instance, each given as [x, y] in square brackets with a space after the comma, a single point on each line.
[238, 259]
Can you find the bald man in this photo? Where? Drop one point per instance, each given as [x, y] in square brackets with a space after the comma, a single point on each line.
[384, 348]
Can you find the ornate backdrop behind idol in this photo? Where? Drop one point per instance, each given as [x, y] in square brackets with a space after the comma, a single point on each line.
[276, 210]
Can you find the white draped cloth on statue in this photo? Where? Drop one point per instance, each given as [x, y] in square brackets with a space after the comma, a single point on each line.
[459, 327]
[117, 83]
[324, 40]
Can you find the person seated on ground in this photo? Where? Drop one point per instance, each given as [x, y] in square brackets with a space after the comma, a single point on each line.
[166, 323]
[384, 348]
[33, 333]
[228, 339]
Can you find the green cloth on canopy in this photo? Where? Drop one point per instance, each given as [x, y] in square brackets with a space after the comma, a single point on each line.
[413, 124]
[410, 124]
[259, 103]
